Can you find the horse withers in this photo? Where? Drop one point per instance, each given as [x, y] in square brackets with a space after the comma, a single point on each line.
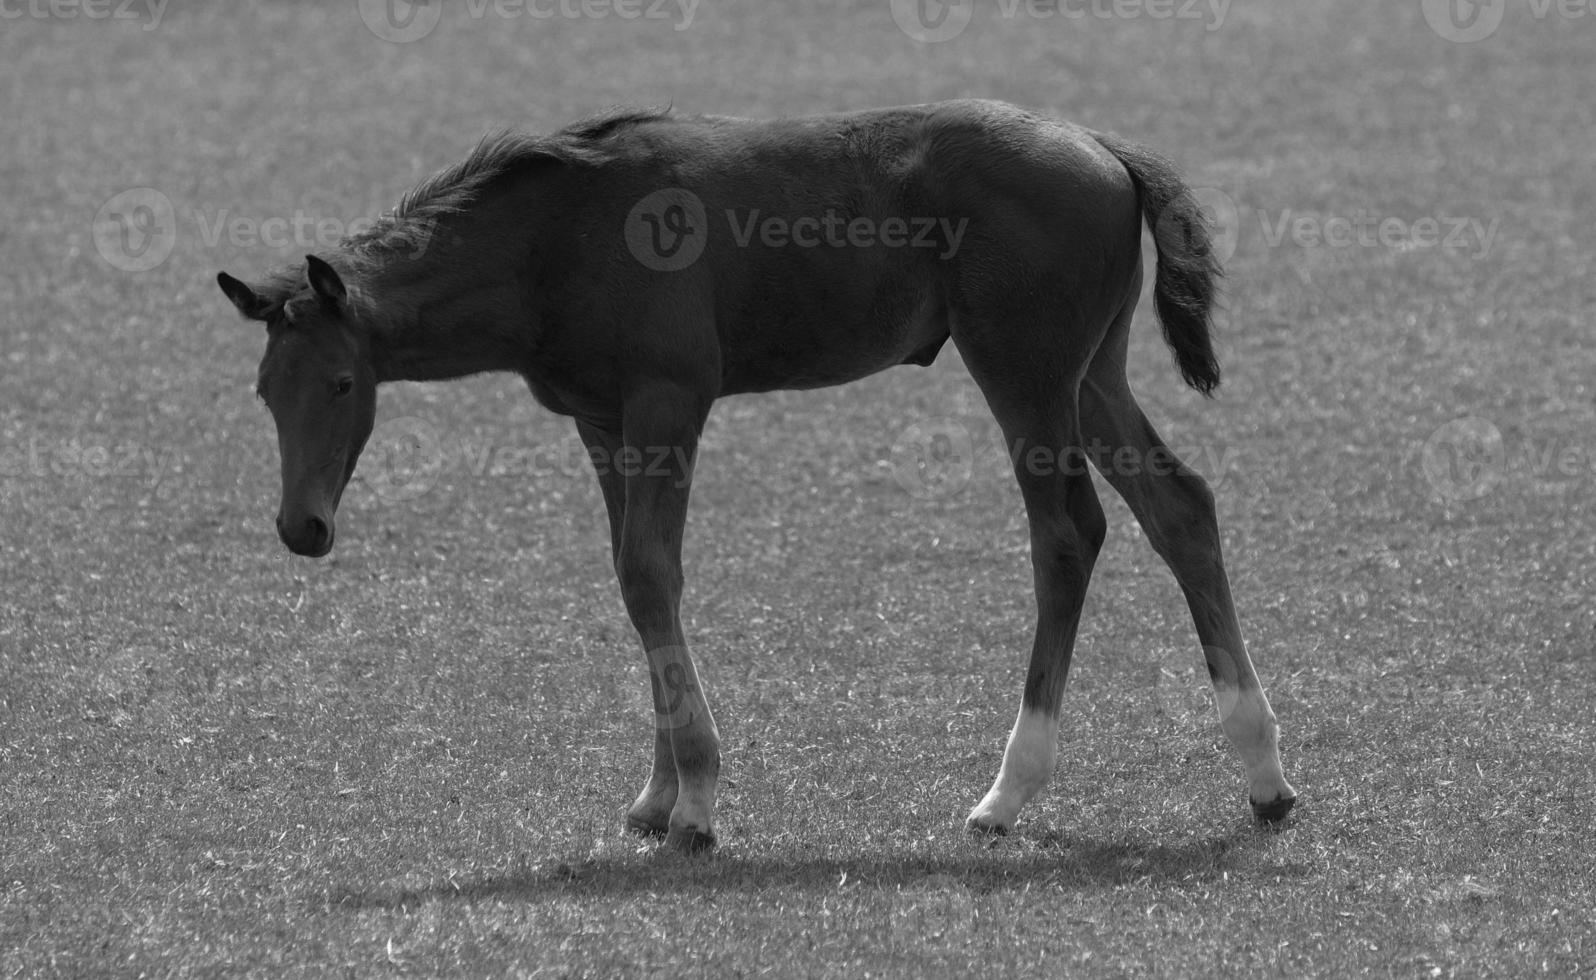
[637, 266]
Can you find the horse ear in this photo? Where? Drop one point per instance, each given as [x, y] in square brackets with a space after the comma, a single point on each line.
[249, 302]
[324, 280]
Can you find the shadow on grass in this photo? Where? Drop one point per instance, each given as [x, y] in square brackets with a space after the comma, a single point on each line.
[997, 865]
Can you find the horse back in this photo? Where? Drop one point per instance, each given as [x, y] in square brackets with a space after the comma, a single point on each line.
[836, 246]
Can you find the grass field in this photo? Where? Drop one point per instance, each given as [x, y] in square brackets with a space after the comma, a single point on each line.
[412, 758]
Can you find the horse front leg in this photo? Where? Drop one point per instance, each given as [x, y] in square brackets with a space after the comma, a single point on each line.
[649, 815]
[660, 437]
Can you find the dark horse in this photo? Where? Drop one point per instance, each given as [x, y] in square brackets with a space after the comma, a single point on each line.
[637, 266]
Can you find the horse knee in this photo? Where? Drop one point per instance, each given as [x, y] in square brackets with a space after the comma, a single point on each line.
[1066, 560]
[1064, 546]
[1091, 524]
[650, 585]
[1189, 530]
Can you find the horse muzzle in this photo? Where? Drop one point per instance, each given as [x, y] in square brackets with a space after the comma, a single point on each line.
[309, 536]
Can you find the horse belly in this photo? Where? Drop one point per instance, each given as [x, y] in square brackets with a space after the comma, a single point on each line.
[801, 339]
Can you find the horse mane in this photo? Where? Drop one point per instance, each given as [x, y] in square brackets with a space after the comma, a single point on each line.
[407, 228]
[496, 155]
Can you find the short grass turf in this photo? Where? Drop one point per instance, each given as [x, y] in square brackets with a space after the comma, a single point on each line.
[412, 758]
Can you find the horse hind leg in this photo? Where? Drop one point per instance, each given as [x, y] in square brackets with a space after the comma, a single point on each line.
[1175, 508]
[1036, 410]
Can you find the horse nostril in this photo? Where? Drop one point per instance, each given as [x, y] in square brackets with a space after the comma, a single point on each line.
[316, 531]
[312, 536]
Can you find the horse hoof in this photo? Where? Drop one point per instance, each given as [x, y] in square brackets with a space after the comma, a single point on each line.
[1274, 811]
[983, 825]
[689, 841]
[643, 827]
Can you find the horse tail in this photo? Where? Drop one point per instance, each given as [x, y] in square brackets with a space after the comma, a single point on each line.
[1183, 291]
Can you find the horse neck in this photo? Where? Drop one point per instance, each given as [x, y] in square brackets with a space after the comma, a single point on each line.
[455, 310]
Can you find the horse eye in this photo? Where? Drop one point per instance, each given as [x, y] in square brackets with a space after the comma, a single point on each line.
[346, 384]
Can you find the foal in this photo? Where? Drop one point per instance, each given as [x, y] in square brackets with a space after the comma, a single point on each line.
[637, 266]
